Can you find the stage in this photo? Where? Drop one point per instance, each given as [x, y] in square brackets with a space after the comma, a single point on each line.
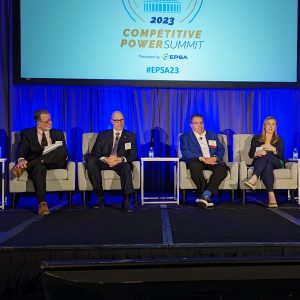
[227, 235]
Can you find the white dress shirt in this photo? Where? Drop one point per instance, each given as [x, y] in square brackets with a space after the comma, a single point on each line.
[40, 134]
[201, 138]
[114, 140]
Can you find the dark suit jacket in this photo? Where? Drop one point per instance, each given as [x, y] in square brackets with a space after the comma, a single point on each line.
[104, 144]
[190, 147]
[29, 146]
[256, 143]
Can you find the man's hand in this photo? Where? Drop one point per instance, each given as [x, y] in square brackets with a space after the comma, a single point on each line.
[22, 164]
[113, 160]
[209, 160]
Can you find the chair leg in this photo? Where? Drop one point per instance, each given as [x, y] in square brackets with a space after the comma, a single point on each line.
[83, 199]
[89, 196]
[292, 193]
[135, 197]
[14, 199]
[183, 196]
[220, 192]
[69, 198]
[244, 197]
[232, 196]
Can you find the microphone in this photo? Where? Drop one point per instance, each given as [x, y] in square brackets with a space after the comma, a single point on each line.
[201, 137]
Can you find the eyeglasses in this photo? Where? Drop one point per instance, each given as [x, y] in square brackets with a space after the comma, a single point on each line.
[45, 122]
[118, 120]
[197, 123]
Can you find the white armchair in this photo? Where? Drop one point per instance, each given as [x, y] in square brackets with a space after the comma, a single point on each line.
[285, 178]
[57, 180]
[110, 179]
[229, 183]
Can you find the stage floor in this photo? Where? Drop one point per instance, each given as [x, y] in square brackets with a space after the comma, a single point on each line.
[228, 231]
[151, 226]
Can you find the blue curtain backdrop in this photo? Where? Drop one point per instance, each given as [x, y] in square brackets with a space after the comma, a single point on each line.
[155, 113]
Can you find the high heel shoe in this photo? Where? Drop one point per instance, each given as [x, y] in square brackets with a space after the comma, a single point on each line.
[272, 205]
[249, 185]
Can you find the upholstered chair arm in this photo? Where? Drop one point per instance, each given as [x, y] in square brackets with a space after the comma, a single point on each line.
[293, 167]
[243, 174]
[71, 169]
[81, 176]
[182, 171]
[234, 170]
[136, 173]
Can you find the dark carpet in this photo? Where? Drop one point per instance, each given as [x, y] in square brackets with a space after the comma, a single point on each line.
[92, 227]
[293, 211]
[12, 218]
[231, 223]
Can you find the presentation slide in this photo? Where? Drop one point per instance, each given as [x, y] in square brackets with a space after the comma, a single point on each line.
[167, 40]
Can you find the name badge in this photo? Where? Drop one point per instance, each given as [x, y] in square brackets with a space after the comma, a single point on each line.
[212, 143]
[127, 146]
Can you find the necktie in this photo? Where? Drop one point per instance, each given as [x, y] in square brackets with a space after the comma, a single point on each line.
[115, 147]
[44, 142]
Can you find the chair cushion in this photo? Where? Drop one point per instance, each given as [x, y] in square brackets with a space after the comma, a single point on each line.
[52, 175]
[278, 173]
[109, 174]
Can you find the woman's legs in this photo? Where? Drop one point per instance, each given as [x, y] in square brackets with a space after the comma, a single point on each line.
[263, 168]
[253, 179]
[272, 199]
[267, 177]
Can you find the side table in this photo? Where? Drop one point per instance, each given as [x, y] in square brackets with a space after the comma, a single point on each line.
[162, 200]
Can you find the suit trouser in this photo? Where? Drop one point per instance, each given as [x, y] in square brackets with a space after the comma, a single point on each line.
[219, 172]
[94, 167]
[37, 171]
[263, 168]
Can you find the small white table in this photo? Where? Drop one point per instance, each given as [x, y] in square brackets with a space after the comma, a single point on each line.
[162, 200]
[2, 162]
[297, 161]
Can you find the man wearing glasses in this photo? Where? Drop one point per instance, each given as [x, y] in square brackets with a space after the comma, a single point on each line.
[202, 150]
[114, 149]
[32, 157]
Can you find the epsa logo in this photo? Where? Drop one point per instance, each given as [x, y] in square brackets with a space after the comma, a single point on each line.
[171, 56]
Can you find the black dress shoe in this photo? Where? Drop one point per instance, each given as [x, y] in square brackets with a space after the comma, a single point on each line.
[100, 203]
[126, 207]
[204, 202]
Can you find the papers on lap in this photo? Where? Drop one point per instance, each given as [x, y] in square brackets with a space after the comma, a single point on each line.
[52, 147]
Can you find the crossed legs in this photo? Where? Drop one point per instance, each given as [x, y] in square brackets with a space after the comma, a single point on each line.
[263, 168]
[37, 170]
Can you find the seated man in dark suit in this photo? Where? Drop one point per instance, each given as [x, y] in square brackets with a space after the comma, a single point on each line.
[202, 150]
[30, 153]
[114, 149]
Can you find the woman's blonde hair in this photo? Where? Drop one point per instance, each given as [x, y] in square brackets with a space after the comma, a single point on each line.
[275, 136]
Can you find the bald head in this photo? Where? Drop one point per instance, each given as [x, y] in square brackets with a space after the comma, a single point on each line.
[117, 120]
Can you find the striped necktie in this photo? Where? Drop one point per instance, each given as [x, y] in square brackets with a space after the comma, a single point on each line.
[115, 147]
